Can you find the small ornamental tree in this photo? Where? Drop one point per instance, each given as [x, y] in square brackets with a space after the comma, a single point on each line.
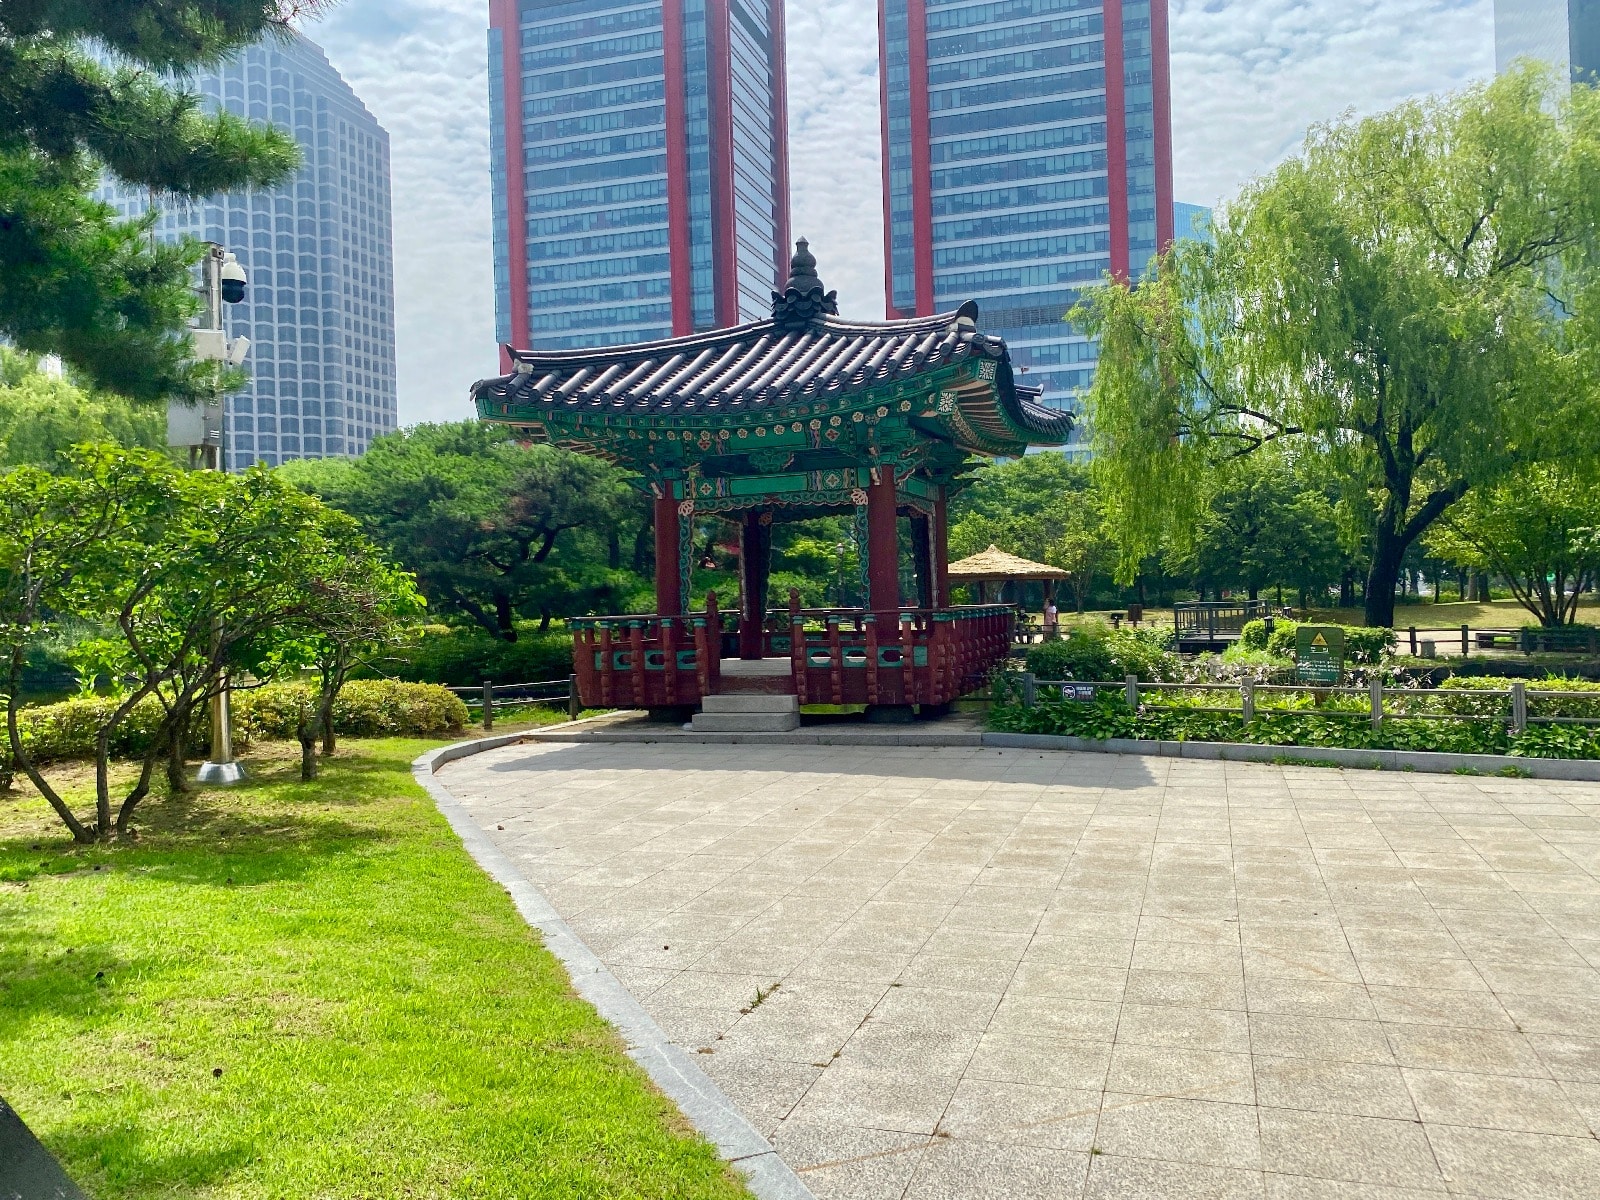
[190, 575]
[1538, 530]
[359, 604]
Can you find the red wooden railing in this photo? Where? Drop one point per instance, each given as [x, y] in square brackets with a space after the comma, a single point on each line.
[837, 656]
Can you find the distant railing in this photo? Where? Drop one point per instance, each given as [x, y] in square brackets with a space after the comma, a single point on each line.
[1211, 620]
[494, 699]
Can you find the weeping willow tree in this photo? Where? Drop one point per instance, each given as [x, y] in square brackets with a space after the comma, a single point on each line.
[1404, 305]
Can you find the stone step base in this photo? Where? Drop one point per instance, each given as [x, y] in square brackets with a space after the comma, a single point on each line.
[751, 703]
[746, 722]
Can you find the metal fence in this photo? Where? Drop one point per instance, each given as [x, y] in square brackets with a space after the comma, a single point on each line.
[499, 699]
[1509, 706]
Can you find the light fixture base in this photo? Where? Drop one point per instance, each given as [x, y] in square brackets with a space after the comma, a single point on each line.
[220, 773]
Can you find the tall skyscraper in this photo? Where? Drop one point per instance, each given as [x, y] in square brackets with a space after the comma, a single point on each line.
[319, 251]
[639, 162]
[1027, 152]
[1565, 33]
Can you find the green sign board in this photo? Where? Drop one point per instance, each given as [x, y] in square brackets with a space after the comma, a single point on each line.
[1319, 654]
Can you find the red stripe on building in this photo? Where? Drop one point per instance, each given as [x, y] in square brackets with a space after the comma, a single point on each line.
[719, 86]
[1116, 138]
[1161, 85]
[889, 308]
[503, 16]
[921, 154]
[780, 138]
[677, 167]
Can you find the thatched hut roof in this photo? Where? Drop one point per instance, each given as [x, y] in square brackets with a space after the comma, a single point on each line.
[995, 563]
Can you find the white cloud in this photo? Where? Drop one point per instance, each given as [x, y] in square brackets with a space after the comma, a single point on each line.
[1249, 77]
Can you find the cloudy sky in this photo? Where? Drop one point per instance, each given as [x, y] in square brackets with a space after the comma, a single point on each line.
[1248, 78]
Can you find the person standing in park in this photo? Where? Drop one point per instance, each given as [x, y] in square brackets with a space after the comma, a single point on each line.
[1052, 619]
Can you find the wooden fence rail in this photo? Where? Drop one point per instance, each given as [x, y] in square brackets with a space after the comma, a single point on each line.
[1382, 704]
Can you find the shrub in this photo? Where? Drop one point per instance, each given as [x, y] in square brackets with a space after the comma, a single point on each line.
[365, 708]
[466, 657]
[1092, 652]
[1362, 646]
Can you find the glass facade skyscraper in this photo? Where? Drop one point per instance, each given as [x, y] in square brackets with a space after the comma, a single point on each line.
[319, 251]
[639, 164]
[1027, 152]
[1563, 32]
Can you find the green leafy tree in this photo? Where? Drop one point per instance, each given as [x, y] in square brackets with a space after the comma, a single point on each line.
[75, 280]
[42, 415]
[190, 574]
[1394, 304]
[491, 528]
[1539, 530]
[358, 605]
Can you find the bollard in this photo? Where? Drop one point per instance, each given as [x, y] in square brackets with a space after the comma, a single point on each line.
[1413, 632]
[1030, 689]
[1131, 690]
[1466, 638]
[1519, 708]
[1375, 688]
[488, 705]
[574, 701]
[1247, 700]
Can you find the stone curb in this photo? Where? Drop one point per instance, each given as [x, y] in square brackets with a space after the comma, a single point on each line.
[1575, 770]
[1560, 769]
[670, 1068]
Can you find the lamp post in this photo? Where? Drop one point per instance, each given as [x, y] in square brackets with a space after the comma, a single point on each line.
[199, 429]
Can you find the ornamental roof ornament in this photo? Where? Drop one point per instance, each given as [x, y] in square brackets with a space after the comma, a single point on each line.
[803, 302]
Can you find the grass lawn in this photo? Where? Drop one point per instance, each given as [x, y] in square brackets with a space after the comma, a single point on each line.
[288, 990]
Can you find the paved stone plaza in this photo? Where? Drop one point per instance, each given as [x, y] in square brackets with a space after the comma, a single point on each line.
[1023, 974]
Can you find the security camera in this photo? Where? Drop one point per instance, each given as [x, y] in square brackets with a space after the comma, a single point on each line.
[237, 350]
[233, 280]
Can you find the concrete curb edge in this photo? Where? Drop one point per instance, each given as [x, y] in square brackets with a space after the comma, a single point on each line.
[670, 1068]
[1565, 769]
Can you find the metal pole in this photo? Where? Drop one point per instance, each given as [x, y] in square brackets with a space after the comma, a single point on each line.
[1466, 638]
[220, 768]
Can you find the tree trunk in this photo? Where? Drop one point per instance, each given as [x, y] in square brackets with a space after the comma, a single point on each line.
[544, 620]
[504, 618]
[1384, 574]
[308, 752]
[614, 548]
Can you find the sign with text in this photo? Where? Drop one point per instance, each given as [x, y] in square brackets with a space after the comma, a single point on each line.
[1078, 693]
[1319, 654]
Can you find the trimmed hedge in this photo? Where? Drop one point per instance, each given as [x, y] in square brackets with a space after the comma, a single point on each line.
[365, 708]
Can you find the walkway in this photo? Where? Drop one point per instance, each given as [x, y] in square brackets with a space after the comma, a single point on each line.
[1014, 974]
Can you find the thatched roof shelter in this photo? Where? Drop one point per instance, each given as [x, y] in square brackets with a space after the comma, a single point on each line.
[995, 564]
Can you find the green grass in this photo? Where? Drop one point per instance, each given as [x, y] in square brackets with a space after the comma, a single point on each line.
[291, 990]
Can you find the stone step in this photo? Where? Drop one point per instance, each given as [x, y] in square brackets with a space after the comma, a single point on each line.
[784, 722]
[751, 703]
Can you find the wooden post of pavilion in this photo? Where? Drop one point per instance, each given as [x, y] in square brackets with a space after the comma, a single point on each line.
[755, 569]
[883, 546]
[670, 600]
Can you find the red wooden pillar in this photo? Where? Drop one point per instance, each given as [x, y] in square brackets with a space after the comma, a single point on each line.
[669, 586]
[883, 545]
[941, 552]
[755, 568]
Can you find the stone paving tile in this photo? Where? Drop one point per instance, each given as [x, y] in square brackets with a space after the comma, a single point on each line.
[1016, 974]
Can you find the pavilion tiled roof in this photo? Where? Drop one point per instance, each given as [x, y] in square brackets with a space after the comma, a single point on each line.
[804, 356]
[762, 365]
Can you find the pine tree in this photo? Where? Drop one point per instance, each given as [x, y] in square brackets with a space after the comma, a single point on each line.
[75, 280]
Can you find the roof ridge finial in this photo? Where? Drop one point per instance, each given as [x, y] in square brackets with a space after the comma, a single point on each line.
[803, 300]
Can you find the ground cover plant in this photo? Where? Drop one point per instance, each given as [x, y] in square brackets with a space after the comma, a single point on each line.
[1467, 723]
[294, 989]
